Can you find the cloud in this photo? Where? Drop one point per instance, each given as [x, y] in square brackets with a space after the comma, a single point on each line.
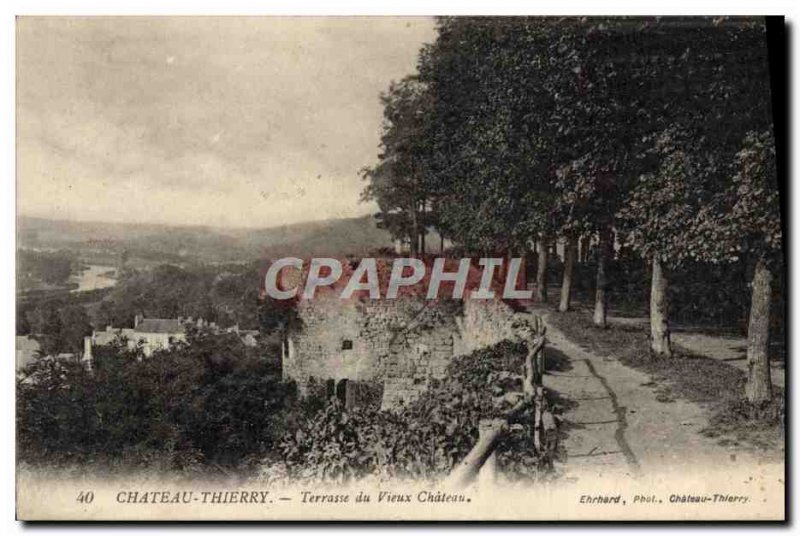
[230, 121]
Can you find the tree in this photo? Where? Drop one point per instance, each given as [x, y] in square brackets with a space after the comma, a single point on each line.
[74, 327]
[590, 132]
[589, 196]
[399, 183]
[745, 221]
[703, 84]
[491, 178]
[210, 400]
[53, 268]
[570, 258]
[756, 218]
[54, 411]
[635, 79]
[663, 204]
[46, 327]
[510, 102]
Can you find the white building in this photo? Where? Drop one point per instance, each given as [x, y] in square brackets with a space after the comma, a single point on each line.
[153, 334]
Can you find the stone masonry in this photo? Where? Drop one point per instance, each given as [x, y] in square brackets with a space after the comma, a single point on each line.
[401, 343]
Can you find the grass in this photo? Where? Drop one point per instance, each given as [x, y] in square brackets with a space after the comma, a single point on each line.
[715, 384]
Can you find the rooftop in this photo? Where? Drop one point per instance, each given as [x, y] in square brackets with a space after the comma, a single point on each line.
[160, 325]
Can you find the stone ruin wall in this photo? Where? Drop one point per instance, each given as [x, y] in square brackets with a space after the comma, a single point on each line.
[483, 323]
[402, 344]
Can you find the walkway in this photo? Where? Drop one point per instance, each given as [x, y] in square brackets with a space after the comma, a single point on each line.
[613, 424]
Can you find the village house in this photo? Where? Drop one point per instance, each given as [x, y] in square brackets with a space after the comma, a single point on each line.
[153, 334]
[27, 348]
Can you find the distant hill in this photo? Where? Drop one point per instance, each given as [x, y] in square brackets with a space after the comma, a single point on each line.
[104, 242]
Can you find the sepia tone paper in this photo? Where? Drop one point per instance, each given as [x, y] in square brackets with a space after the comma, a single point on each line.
[219, 225]
[758, 496]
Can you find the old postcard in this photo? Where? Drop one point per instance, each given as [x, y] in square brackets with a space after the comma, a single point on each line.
[400, 268]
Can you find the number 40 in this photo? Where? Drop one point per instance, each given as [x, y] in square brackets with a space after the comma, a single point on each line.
[85, 497]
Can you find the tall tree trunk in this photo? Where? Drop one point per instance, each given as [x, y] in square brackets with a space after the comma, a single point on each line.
[502, 271]
[414, 231]
[621, 239]
[585, 248]
[759, 383]
[659, 310]
[600, 298]
[525, 255]
[522, 273]
[423, 208]
[541, 272]
[570, 256]
[441, 242]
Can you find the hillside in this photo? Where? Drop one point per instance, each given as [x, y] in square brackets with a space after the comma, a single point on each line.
[163, 243]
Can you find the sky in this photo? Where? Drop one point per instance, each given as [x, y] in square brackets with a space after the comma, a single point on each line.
[232, 121]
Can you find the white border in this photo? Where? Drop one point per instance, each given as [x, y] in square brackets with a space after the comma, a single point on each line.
[403, 7]
[297, 7]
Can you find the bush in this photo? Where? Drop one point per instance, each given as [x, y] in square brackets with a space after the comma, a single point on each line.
[212, 401]
[53, 268]
[424, 439]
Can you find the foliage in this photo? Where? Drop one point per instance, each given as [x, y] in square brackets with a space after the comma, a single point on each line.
[521, 126]
[52, 268]
[58, 328]
[75, 326]
[668, 207]
[489, 160]
[704, 92]
[423, 439]
[166, 291]
[226, 295]
[400, 183]
[210, 401]
[746, 214]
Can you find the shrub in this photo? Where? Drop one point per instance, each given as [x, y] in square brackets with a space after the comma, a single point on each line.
[424, 439]
[208, 402]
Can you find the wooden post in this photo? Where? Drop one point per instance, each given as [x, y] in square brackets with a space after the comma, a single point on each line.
[538, 405]
[488, 472]
[465, 472]
[540, 366]
[538, 380]
[481, 461]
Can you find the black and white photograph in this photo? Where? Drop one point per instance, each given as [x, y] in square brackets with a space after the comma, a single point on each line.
[401, 268]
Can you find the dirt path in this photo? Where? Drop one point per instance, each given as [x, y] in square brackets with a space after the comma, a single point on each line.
[613, 424]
